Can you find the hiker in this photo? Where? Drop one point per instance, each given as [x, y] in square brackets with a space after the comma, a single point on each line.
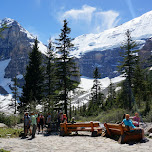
[131, 126]
[73, 120]
[136, 120]
[64, 118]
[27, 121]
[48, 121]
[61, 117]
[41, 123]
[34, 124]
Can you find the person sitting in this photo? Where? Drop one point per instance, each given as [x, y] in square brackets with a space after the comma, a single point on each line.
[128, 123]
[136, 120]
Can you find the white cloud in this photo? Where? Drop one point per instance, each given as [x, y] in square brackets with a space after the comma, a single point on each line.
[82, 14]
[131, 8]
[107, 19]
[90, 19]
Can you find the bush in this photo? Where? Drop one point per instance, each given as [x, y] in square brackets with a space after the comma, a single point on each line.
[10, 120]
[5, 132]
[2, 150]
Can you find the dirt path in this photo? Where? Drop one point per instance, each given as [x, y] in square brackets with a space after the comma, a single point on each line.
[55, 143]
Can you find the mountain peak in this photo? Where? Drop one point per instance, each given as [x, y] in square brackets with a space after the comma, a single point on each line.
[7, 21]
[140, 27]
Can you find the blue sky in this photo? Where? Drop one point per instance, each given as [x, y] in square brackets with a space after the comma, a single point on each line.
[44, 18]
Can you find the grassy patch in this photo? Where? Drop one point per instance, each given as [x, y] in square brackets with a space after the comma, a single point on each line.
[2, 150]
[10, 132]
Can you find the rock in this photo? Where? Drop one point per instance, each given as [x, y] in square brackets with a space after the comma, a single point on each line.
[2, 125]
[150, 135]
[21, 125]
[150, 130]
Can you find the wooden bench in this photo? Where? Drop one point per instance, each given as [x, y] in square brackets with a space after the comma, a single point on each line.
[67, 128]
[123, 132]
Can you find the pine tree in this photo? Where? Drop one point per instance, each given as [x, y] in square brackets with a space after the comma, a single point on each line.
[34, 78]
[67, 69]
[111, 95]
[139, 83]
[96, 101]
[96, 89]
[50, 76]
[15, 93]
[128, 64]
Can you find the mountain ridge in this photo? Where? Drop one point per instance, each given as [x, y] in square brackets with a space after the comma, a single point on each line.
[140, 27]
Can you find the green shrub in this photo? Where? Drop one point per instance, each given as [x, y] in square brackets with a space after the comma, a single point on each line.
[2, 150]
[9, 120]
[5, 132]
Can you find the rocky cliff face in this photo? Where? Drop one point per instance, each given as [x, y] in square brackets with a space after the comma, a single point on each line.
[15, 44]
[106, 61]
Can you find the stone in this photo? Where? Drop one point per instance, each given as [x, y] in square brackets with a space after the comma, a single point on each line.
[150, 135]
[150, 130]
[2, 125]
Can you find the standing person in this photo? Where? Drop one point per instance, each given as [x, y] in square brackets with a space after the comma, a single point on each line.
[38, 123]
[27, 121]
[136, 120]
[41, 122]
[48, 121]
[34, 124]
[61, 117]
[64, 118]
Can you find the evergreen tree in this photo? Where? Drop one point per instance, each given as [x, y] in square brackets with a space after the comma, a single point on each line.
[96, 101]
[128, 64]
[34, 78]
[50, 76]
[96, 89]
[67, 69]
[15, 93]
[111, 95]
[139, 83]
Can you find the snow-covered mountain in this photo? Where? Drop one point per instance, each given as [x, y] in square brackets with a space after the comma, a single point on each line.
[15, 45]
[11, 22]
[140, 27]
[103, 50]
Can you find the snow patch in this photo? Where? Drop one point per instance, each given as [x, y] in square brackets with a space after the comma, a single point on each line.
[5, 82]
[20, 76]
[5, 101]
[140, 27]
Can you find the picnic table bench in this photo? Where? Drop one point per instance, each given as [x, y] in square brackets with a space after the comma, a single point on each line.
[67, 128]
[123, 132]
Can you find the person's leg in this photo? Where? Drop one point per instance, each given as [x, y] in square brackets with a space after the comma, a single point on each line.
[25, 131]
[38, 128]
[30, 130]
[33, 131]
[42, 127]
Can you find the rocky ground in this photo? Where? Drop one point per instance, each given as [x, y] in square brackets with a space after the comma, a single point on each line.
[80, 143]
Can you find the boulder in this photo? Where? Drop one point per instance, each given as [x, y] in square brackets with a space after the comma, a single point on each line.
[150, 135]
[150, 130]
[2, 125]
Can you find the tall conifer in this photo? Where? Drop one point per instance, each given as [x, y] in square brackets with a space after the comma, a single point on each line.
[128, 64]
[67, 69]
[34, 78]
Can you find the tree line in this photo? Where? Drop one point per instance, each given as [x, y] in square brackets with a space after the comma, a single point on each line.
[49, 81]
